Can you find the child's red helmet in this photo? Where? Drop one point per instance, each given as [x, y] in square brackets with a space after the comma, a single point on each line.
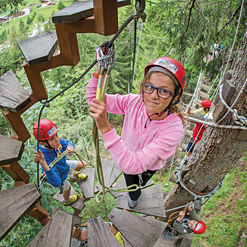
[176, 69]
[206, 103]
[200, 227]
[47, 129]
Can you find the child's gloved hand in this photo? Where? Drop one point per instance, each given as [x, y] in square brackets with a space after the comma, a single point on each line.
[191, 206]
[71, 149]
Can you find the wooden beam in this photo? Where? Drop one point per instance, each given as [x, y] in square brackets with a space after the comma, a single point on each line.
[14, 203]
[10, 150]
[139, 231]
[39, 213]
[57, 233]
[100, 235]
[16, 172]
[17, 125]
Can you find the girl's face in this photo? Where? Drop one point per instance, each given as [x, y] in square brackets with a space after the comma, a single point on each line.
[153, 102]
[54, 141]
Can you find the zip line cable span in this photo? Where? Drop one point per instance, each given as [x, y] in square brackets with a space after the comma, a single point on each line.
[139, 13]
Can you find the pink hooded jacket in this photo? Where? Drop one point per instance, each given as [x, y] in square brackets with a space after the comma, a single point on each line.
[138, 149]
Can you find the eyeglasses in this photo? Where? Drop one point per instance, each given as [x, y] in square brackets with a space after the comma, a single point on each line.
[162, 92]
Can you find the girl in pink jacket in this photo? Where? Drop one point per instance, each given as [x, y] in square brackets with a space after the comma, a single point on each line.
[153, 123]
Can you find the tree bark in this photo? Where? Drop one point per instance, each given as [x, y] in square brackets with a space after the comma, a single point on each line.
[220, 149]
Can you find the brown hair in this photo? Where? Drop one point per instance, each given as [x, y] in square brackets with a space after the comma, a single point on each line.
[176, 109]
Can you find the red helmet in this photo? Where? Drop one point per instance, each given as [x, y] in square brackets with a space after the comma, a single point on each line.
[200, 227]
[206, 103]
[171, 67]
[47, 129]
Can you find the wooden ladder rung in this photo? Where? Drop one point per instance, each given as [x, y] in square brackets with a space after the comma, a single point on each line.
[150, 202]
[138, 230]
[14, 204]
[40, 48]
[13, 97]
[10, 150]
[99, 234]
[205, 87]
[56, 233]
[203, 95]
[110, 172]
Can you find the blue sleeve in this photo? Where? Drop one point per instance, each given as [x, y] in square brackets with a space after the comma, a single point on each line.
[66, 143]
[53, 177]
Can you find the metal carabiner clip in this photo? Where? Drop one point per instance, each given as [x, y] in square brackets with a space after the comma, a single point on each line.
[105, 59]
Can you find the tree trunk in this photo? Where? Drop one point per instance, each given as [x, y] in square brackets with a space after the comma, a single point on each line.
[220, 149]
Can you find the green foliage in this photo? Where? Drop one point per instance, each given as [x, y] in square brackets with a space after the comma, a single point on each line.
[60, 5]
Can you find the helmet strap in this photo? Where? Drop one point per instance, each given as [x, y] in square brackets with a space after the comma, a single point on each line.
[48, 145]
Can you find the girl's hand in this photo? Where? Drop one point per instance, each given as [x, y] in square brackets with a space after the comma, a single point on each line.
[181, 215]
[191, 206]
[98, 112]
[71, 149]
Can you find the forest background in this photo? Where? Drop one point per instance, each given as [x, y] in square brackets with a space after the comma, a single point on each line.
[183, 30]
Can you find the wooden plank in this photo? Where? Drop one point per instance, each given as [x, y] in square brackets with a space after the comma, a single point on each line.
[100, 235]
[87, 186]
[10, 150]
[203, 95]
[13, 97]
[165, 243]
[227, 92]
[16, 172]
[186, 241]
[150, 202]
[139, 231]
[39, 49]
[122, 184]
[14, 204]
[79, 10]
[79, 204]
[205, 87]
[110, 172]
[39, 213]
[57, 232]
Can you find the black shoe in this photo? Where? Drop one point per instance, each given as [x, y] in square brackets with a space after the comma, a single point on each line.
[132, 204]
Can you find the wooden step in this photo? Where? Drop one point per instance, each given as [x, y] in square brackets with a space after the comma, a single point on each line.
[13, 97]
[100, 235]
[150, 202]
[79, 204]
[56, 233]
[199, 102]
[14, 204]
[40, 48]
[110, 172]
[203, 95]
[139, 231]
[87, 186]
[205, 87]
[122, 184]
[10, 150]
[79, 10]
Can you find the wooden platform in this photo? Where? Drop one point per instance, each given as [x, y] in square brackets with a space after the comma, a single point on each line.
[13, 97]
[150, 202]
[39, 49]
[14, 204]
[79, 204]
[79, 10]
[122, 184]
[110, 171]
[87, 186]
[10, 150]
[56, 233]
[100, 235]
[139, 231]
